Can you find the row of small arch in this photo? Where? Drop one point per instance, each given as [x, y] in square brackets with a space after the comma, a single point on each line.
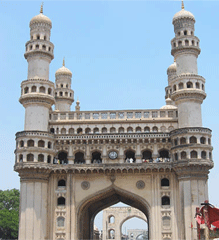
[39, 37]
[39, 47]
[96, 130]
[79, 157]
[185, 43]
[188, 85]
[192, 139]
[185, 33]
[40, 89]
[61, 94]
[31, 143]
[193, 154]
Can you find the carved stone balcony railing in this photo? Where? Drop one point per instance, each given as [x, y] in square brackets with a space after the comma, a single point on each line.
[198, 130]
[121, 115]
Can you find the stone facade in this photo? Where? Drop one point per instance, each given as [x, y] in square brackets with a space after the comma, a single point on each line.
[113, 219]
[73, 164]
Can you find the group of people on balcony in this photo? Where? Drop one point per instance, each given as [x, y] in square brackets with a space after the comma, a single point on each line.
[62, 157]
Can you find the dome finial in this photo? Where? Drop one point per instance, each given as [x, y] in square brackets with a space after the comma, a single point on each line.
[182, 4]
[41, 8]
[63, 63]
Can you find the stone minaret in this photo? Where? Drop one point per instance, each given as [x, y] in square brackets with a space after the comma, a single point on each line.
[35, 144]
[37, 92]
[64, 95]
[188, 90]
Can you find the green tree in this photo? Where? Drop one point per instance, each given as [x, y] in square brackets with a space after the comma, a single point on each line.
[9, 214]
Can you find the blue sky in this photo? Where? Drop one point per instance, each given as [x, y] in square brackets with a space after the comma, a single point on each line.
[118, 51]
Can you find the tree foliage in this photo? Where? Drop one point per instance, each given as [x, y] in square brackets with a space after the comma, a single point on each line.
[9, 214]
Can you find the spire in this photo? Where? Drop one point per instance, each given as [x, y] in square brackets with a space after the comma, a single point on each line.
[182, 4]
[63, 63]
[41, 8]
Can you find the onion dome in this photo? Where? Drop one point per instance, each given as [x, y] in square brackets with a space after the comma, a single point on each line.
[40, 18]
[63, 70]
[183, 14]
[169, 104]
[172, 67]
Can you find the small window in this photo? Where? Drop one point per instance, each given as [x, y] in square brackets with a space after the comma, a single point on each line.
[49, 49]
[41, 143]
[180, 44]
[112, 130]
[66, 94]
[26, 90]
[202, 140]
[40, 158]
[165, 182]
[185, 32]
[146, 129]
[61, 183]
[175, 142]
[44, 47]
[30, 157]
[155, 129]
[183, 155]
[187, 42]
[63, 131]
[174, 44]
[174, 88]
[61, 85]
[60, 94]
[197, 85]
[71, 130]
[203, 155]
[182, 140]
[165, 201]
[193, 154]
[189, 85]
[30, 143]
[33, 89]
[130, 130]
[52, 130]
[178, 33]
[79, 131]
[193, 140]
[49, 91]
[20, 158]
[176, 156]
[48, 159]
[138, 129]
[181, 86]
[44, 37]
[38, 37]
[61, 201]
[111, 219]
[193, 43]
[203, 87]
[37, 46]
[42, 89]
[21, 143]
[49, 144]
[31, 47]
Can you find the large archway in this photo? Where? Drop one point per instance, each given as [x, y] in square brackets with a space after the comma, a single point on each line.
[101, 200]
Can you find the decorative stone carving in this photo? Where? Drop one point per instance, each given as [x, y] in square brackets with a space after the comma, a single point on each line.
[85, 185]
[140, 184]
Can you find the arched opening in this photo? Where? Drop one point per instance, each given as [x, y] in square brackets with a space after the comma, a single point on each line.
[147, 156]
[111, 234]
[121, 130]
[63, 131]
[79, 158]
[203, 140]
[26, 90]
[193, 139]
[138, 129]
[180, 85]
[130, 156]
[146, 129]
[52, 130]
[182, 140]
[49, 91]
[62, 158]
[183, 155]
[20, 158]
[155, 129]
[48, 159]
[61, 201]
[96, 157]
[185, 32]
[71, 130]
[176, 156]
[203, 155]
[42, 89]
[164, 155]
[187, 42]
[165, 182]
[33, 89]
[129, 130]
[112, 130]
[111, 219]
[104, 130]
[197, 85]
[189, 85]
[40, 158]
[134, 227]
[95, 203]
[193, 154]
[165, 200]
[49, 145]
[87, 130]
[21, 144]
[41, 143]
[30, 143]
[30, 157]
[61, 183]
[96, 130]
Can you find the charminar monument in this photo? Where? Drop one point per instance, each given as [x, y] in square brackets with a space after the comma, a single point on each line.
[74, 164]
